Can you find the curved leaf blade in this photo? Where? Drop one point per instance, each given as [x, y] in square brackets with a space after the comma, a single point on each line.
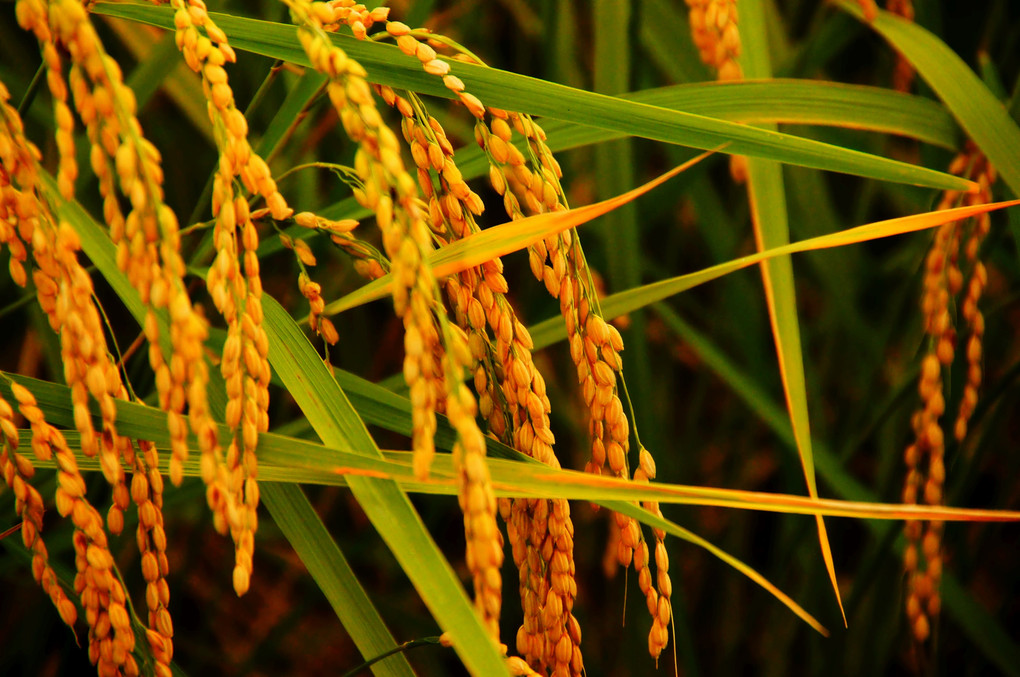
[552, 330]
[387, 65]
[769, 218]
[984, 117]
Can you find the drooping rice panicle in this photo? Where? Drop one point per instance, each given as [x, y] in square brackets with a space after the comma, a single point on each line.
[17, 471]
[107, 108]
[111, 637]
[925, 456]
[391, 193]
[148, 246]
[147, 494]
[64, 290]
[63, 286]
[595, 346]
[235, 284]
[550, 635]
[984, 173]
[34, 16]
[715, 34]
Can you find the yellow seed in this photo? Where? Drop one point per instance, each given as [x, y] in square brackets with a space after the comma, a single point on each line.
[615, 456]
[164, 625]
[68, 611]
[242, 579]
[436, 67]
[453, 83]
[99, 557]
[603, 373]
[148, 514]
[150, 567]
[921, 628]
[119, 618]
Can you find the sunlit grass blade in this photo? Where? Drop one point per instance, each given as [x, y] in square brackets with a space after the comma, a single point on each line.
[500, 240]
[982, 116]
[552, 330]
[288, 460]
[805, 102]
[387, 65]
[318, 551]
[556, 486]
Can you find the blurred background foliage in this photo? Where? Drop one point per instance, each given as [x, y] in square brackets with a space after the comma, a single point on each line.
[700, 367]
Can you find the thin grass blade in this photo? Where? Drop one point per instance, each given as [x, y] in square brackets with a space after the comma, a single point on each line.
[552, 330]
[320, 554]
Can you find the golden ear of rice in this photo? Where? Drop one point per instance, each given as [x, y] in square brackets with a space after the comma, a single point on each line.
[944, 287]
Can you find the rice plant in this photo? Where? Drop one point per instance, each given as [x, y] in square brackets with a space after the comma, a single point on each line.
[701, 311]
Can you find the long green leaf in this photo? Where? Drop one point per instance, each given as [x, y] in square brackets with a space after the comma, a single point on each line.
[527, 478]
[549, 331]
[982, 116]
[54, 398]
[326, 563]
[769, 218]
[389, 66]
[289, 460]
[805, 102]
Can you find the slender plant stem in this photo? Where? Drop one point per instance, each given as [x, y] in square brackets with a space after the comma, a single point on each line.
[413, 644]
[33, 89]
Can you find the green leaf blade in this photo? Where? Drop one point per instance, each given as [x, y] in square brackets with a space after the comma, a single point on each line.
[389, 66]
